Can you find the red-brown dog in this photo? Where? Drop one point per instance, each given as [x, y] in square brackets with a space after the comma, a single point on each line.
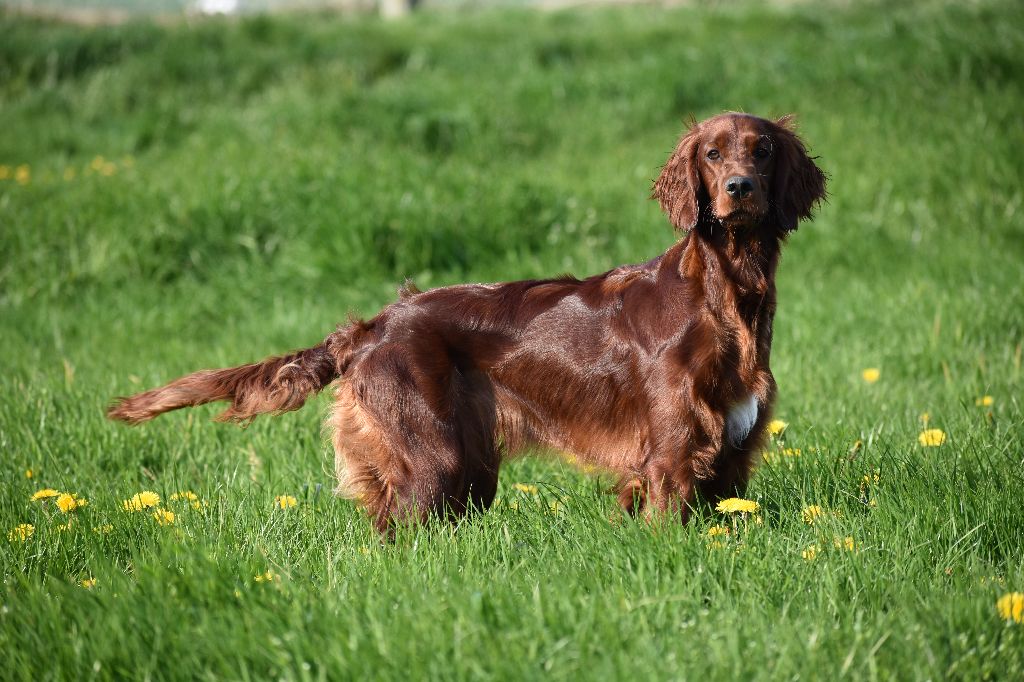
[657, 372]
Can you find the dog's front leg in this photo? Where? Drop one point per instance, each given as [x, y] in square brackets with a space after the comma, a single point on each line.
[681, 452]
[732, 472]
[664, 484]
[670, 488]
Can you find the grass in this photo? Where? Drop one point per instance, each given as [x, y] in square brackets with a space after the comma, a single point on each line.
[207, 194]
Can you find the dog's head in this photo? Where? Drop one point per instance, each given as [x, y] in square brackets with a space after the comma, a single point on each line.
[739, 171]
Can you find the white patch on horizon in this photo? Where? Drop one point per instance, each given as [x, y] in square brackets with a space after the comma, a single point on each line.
[740, 420]
[217, 6]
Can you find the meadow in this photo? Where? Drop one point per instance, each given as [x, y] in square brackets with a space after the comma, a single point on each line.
[184, 195]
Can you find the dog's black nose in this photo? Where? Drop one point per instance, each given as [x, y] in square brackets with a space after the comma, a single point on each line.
[738, 186]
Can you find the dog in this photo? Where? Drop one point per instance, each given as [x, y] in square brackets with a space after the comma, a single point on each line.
[656, 372]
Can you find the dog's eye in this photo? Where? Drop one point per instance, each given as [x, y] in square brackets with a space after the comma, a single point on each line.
[762, 153]
[713, 154]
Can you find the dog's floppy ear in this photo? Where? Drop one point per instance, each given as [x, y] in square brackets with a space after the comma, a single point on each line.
[798, 184]
[678, 189]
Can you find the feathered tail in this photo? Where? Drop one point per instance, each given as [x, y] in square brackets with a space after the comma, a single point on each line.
[278, 384]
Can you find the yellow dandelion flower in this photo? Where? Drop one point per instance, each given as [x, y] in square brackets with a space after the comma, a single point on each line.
[931, 438]
[62, 527]
[871, 374]
[45, 493]
[5, 172]
[108, 169]
[285, 501]
[770, 457]
[267, 577]
[867, 482]
[846, 543]
[1011, 607]
[985, 401]
[523, 487]
[69, 502]
[811, 553]
[184, 495]
[140, 501]
[715, 531]
[164, 517]
[737, 504]
[104, 529]
[776, 427]
[97, 163]
[28, 473]
[21, 532]
[811, 514]
[22, 174]
[89, 583]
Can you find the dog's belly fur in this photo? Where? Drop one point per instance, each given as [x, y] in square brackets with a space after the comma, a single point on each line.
[740, 420]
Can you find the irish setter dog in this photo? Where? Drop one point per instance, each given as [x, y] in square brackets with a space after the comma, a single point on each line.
[656, 372]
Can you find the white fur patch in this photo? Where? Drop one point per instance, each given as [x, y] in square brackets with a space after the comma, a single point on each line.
[740, 420]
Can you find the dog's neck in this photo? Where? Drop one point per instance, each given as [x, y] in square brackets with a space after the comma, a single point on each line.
[733, 266]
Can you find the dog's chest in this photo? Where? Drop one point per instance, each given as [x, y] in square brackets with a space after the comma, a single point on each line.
[740, 420]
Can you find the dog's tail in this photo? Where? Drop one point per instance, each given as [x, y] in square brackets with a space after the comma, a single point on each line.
[278, 384]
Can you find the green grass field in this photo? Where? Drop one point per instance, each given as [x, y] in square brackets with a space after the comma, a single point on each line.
[178, 197]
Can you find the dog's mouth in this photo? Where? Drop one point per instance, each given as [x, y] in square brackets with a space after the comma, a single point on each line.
[740, 217]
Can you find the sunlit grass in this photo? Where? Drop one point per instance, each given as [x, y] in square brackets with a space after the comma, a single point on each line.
[177, 197]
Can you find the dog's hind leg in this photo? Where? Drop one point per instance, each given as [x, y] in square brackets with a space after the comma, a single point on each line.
[409, 444]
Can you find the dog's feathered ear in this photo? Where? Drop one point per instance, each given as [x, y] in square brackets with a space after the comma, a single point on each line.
[678, 189]
[798, 184]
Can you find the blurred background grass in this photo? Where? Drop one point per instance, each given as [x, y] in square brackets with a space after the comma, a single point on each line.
[120, 9]
[195, 193]
[274, 173]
